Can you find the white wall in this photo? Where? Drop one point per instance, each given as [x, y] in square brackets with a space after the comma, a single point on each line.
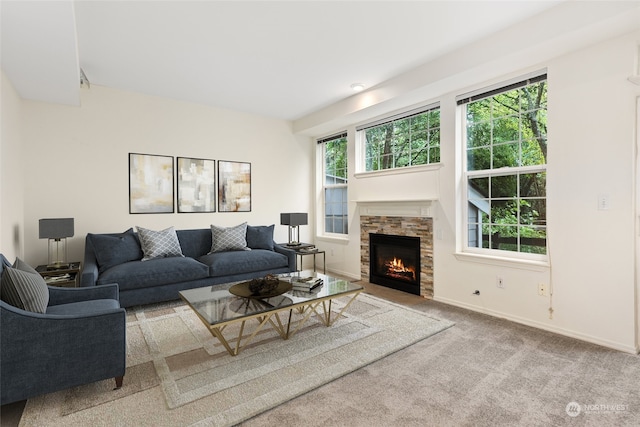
[76, 163]
[594, 282]
[591, 152]
[11, 173]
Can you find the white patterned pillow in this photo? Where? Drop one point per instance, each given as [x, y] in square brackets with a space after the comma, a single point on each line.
[229, 239]
[22, 287]
[159, 244]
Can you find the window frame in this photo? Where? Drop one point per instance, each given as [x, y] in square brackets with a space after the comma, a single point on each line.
[481, 254]
[322, 142]
[361, 147]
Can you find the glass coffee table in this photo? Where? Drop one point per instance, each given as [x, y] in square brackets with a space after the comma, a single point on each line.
[218, 308]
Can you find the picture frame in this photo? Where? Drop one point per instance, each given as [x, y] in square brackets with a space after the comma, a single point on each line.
[234, 186]
[150, 184]
[196, 184]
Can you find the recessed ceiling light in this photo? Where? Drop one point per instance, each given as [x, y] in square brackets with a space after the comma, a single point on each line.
[357, 87]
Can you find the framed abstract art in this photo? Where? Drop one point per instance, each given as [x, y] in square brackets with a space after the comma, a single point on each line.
[196, 184]
[150, 184]
[234, 186]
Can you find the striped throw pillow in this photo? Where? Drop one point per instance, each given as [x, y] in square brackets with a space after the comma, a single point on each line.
[22, 287]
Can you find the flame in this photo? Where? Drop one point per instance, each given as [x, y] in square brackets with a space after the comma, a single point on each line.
[396, 266]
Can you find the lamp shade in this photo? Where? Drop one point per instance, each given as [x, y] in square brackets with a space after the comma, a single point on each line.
[293, 219]
[55, 228]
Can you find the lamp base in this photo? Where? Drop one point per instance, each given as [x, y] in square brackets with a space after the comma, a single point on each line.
[294, 235]
[57, 254]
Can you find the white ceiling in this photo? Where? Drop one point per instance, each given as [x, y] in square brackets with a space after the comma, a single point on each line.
[282, 59]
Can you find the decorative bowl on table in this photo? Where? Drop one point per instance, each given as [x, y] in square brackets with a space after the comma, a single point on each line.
[263, 287]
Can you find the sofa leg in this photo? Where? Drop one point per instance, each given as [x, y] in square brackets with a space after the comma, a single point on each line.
[118, 382]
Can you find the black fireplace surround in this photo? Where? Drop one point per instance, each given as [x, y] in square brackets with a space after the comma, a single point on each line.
[395, 262]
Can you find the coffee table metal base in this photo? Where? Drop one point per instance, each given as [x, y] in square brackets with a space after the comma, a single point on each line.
[321, 308]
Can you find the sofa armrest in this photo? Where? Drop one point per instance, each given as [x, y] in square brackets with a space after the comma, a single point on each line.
[291, 255]
[89, 275]
[59, 296]
[89, 265]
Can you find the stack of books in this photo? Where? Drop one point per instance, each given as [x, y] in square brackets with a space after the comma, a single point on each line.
[59, 278]
[305, 283]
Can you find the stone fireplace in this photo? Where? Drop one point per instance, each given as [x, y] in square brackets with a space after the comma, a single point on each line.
[406, 219]
[394, 261]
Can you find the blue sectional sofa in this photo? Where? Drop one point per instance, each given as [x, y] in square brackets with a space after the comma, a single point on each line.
[118, 258]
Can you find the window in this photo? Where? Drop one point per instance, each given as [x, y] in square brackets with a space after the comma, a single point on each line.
[505, 174]
[335, 184]
[409, 139]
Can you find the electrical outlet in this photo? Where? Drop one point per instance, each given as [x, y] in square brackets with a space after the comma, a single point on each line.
[604, 202]
[500, 282]
[543, 290]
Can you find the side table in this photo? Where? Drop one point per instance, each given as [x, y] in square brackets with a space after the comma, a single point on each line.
[66, 277]
[304, 249]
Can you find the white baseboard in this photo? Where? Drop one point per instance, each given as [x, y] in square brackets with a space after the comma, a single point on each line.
[561, 331]
[343, 274]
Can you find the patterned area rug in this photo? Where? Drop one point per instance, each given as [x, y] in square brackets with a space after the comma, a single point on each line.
[179, 374]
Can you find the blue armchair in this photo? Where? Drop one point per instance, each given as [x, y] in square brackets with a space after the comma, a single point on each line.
[81, 338]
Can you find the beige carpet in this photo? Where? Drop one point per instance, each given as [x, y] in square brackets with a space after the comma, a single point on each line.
[178, 374]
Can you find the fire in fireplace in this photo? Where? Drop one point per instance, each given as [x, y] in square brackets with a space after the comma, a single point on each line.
[395, 262]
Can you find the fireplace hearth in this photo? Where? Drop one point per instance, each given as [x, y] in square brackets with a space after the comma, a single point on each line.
[395, 262]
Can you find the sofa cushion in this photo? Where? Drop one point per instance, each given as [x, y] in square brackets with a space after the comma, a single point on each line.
[159, 244]
[196, 242]
[114, 249]
[228, 238]
[155, 272]
[26, 290]
[236, 262]
[82, 308]
[260, 237]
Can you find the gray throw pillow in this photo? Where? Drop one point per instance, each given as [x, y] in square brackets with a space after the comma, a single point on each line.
[159, 244]
[229, 239]
[260, 237]
[22, 287]
[111, 250]
[23, 266]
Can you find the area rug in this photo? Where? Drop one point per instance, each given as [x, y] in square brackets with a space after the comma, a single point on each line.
[178, 374]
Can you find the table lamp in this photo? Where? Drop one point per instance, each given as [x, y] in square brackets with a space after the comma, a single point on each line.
[293, 220]
[56, 230]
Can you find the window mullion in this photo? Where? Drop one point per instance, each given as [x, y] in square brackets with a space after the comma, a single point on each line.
[506, 171]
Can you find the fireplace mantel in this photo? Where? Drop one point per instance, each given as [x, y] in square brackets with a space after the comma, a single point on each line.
[408, 208]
